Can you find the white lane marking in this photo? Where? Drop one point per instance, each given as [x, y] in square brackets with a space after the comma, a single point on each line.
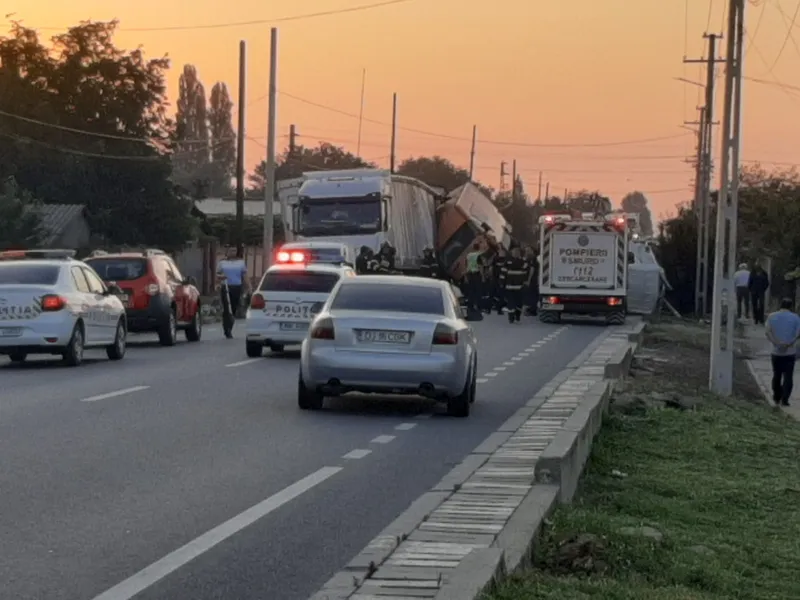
[481, 380]
[491, 374]
[516, 358]
[500, 368]
[124, 392]
[142, 580]
[405, 426]
[243, 362]
[383, 439]
[524, 354]
[509, 363]
[356, 454]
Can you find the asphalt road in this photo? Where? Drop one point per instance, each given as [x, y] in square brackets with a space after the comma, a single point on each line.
[189, 473]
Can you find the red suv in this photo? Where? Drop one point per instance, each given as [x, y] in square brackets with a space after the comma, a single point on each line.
[155, 294]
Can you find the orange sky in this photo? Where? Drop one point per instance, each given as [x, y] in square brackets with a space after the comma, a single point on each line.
[567, 72]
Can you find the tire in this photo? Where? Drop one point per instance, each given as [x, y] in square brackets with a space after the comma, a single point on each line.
[168, 332]
[276, 347]
[549, 316]
[73, 353]
[473, 393]
[116, 351]
[254, 349]
[308, 399]
[18, 357]
[459, 406]
[195, 330]
[616, 318]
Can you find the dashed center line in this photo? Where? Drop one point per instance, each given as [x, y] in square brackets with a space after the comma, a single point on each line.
[405, 426]
[509, 363]
[243, 362]
[117, 393]
[491, 374]
[356, 454]
[500, 368]
[383, 439]
[481, 380]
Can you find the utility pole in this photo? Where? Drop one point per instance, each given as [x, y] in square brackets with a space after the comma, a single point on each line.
[539, 194]
[703, 196]
[394, 133]
[270, 187]
[503, 176]
[721, 372]
[361, 111]
[547, 190]
[292, 141]
[240, 151]
[513, 180]
[472, 151]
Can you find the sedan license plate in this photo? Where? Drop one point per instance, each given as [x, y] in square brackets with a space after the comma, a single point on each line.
[373, 336]
[10, 331]
[294, 326]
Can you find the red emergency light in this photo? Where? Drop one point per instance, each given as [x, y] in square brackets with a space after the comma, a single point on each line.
[291, 257]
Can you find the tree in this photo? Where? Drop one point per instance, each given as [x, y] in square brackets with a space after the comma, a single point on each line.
[192, 135]
[636, 202]
[324, 157]
[97, 130]
[520, 214]
[438, 171]
[20, 226]
[223, 140]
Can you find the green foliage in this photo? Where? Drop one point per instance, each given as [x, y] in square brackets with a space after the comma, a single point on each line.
[100, 134]
[192, 158]
[586, 201]
[636, 202]
[223, 140]
[438, 171]
[20, 226]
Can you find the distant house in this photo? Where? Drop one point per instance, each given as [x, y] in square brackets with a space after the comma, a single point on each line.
[64, 226]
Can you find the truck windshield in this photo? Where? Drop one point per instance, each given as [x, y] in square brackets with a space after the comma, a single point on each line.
[455, 247]
[338, 216]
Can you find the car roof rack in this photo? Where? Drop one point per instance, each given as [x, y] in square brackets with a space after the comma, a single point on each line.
[37, 254]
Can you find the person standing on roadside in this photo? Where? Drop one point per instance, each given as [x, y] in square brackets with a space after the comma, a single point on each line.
[758, 284]
[232, 275]
[515, 274]
[783, 331]
[741, 280]
[474, 279]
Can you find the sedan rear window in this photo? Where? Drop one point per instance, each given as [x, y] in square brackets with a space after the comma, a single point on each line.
[390, 298]
[299, 281]
[28, 274]
[118, 269]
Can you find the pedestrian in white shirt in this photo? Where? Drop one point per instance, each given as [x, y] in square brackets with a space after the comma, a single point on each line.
[741, 279]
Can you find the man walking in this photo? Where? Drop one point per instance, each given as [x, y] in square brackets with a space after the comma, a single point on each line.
[758, 283]
[741, 279]
[783, 331]
[232, 274]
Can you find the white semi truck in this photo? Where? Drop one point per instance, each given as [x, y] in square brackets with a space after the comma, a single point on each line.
[583, 267]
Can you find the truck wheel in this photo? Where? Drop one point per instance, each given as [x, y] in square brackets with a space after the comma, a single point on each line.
[549, 316]
[616, 318]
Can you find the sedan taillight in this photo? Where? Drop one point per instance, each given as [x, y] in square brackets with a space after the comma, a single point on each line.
[323, 330]
[258, 302]
[444, 335]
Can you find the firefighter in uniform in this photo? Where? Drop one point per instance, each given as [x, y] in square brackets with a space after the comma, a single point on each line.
[515, 274]
[385, 258]
[363, 259]
[498, 298]
[429, 267]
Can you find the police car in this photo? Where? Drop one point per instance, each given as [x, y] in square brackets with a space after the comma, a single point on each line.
[289, 296]
[334, 253]
[53, 304]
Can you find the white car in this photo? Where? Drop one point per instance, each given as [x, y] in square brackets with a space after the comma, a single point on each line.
[287, 299]
[334, 253]
[53, 304]
[390, 335]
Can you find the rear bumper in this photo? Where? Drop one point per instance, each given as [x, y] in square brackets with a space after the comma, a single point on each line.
[150, 318]
[440, 374]
[268, 331]
[42, 339]
[591, 305]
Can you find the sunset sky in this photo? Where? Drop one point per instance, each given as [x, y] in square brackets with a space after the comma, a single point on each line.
[524, 71]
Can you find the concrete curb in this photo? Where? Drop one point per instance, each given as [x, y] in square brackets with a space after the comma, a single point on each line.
[482, 520]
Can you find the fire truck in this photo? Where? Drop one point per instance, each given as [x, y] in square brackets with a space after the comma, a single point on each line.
[583, 267]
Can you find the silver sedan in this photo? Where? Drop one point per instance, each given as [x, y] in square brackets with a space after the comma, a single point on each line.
[390, 335]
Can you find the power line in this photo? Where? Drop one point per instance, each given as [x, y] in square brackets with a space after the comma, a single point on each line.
[764, 61]
[490, 142]
[789, 26]
[788, 35]
[300, 17]
[107, 136]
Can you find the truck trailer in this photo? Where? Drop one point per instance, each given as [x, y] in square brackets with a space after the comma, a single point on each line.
[583, 268]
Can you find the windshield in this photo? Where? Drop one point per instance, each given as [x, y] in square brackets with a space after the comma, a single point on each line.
[339, 216]
[118, 269]
[28, 274]
[457, 245]
[299, 281]
[390, 298]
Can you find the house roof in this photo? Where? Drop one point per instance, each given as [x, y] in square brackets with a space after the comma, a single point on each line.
[55, 218]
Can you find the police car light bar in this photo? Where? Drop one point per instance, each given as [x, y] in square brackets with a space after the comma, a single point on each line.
[22, 254]
[291, 257]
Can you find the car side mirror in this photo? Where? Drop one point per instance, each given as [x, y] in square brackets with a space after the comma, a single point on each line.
[112, 289]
